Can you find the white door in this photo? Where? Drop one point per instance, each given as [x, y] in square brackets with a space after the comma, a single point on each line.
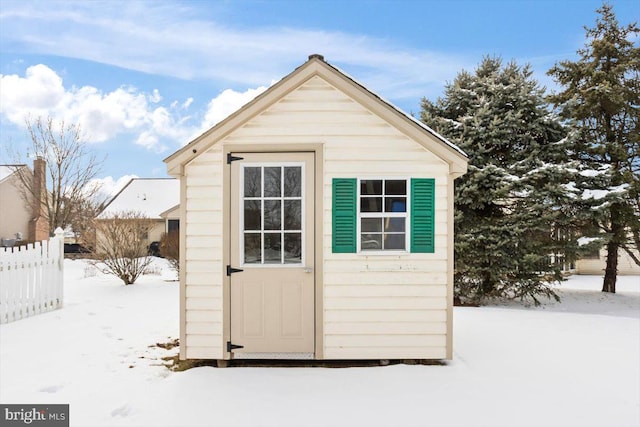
[272, 229]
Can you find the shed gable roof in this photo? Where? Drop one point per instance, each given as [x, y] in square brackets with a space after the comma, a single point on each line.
[317, 66]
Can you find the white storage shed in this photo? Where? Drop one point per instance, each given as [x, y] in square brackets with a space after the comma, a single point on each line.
[317, 223]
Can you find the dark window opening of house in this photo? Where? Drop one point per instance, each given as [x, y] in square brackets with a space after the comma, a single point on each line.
[592, 254]
[173, 225]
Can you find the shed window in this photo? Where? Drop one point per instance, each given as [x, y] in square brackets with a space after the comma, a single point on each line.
[383, 215]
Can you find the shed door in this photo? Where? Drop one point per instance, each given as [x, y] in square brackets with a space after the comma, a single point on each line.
[272, 229]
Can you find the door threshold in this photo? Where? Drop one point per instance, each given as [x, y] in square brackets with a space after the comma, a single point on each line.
[266, 356]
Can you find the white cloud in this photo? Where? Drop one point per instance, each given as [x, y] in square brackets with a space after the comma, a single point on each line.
[38, 92]
[226, 103]
[109, 186]
[186, 103]
[102, 116]
[155, 97]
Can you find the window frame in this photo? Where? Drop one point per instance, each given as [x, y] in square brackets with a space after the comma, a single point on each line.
[241, 230]
[406, 215]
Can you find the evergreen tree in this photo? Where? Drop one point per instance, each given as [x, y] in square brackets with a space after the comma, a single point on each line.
[512, 209]
[601, 101]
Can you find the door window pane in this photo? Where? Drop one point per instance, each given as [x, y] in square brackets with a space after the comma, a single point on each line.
[292, 181]
[252, 182]
[252, 212]
[292, 248]
[272, 181]
[272, 253]
[292, 215]
[252, 248]
[272, 215]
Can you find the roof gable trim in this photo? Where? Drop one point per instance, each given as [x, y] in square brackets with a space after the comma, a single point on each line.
[316, 66]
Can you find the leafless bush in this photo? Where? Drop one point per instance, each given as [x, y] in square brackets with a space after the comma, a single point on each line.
[121, 245]
[170, 248]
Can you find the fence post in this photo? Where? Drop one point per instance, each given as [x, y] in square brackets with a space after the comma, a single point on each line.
[59, 242]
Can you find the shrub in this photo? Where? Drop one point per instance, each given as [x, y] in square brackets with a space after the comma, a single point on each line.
[170, 248]
[121, 245]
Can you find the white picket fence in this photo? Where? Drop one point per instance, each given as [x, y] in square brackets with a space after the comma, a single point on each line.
[31, 278]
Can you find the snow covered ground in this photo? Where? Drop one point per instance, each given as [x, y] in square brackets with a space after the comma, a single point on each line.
[575, 363]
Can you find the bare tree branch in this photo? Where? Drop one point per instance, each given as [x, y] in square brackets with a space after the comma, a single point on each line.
[631, 254]
[70, 169]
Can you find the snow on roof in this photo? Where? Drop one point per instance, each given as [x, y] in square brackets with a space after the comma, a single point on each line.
[149, 196]
[7, 170]
[582, 241]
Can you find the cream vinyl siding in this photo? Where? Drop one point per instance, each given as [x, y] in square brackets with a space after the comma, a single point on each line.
[155, 234]
[375, 306]
[626, 265]
[15, 213]
[204, 272]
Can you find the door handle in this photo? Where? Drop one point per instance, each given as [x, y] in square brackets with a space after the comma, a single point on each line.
[308, 270]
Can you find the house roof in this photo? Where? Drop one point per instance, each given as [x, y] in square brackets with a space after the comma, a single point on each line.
[148, 196]
[317, 66]
[7, 170]
[171, 212]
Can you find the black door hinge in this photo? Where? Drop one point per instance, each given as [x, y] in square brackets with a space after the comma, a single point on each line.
[231, 158]
[231, 270]
[232, 346]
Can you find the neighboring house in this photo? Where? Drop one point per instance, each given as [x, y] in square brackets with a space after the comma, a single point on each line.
[21, 219]
[597, 262]
[148, 196]
[317, 222]
[172, 218]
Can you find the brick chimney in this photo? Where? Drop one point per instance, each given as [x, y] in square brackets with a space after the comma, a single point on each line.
[39, 224]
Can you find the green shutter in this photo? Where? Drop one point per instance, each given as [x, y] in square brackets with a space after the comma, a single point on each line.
[344, 215]
[422, 215]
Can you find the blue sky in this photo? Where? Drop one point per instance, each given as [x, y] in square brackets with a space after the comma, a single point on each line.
[143, 78]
